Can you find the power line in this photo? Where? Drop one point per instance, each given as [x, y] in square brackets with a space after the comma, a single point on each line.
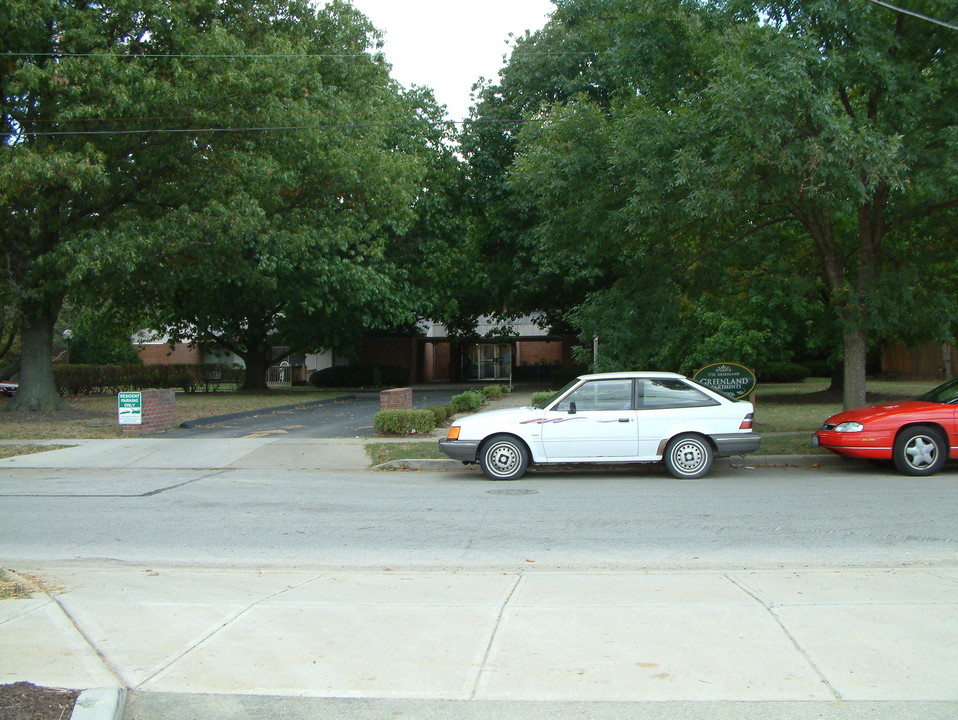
[261, 56]
[192, 56]
[930, 19]
[351, 126]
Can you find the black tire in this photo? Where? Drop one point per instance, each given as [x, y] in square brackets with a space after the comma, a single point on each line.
[504, 457]
[919, 450]
[688, 456]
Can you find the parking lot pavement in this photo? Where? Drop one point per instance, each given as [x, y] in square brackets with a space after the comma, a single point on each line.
[348, 417]
[797, 643]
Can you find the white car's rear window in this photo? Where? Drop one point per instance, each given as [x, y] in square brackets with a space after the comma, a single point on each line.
[668, 393]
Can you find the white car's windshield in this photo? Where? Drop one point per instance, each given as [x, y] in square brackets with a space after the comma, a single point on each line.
[946, 394]
[555, 396]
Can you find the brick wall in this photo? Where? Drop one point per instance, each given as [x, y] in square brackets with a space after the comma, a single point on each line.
[539, 352]
[396, 399]
[159, 412]
[398, 352]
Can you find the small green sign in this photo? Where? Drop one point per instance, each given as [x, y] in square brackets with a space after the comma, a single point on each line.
[130, 408]
[731, 379]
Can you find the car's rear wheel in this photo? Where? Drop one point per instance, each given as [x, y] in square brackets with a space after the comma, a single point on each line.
[503, 457]
[688, 456]
[919, 450]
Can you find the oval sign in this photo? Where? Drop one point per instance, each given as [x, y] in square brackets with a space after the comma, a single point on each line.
[731, 379]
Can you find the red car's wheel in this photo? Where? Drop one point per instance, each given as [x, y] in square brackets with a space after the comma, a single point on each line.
[919, 450]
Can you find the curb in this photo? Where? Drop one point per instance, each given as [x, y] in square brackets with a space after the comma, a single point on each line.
[764, 461]
[262, 411]
[100, 704]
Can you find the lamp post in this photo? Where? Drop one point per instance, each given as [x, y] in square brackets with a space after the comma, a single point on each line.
[67, 336]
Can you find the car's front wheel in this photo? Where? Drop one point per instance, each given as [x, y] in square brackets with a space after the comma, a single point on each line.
[688, 456]
[503, 457]
[919, 450]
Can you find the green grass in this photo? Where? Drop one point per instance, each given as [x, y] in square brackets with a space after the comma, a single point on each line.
[790, 444]
[94, 416]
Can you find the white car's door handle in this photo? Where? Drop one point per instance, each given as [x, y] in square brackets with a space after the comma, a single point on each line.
[624, 420]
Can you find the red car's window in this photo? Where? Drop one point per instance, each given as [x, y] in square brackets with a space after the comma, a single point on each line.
[947, 393]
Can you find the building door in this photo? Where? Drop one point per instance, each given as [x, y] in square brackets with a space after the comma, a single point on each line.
[487, 361]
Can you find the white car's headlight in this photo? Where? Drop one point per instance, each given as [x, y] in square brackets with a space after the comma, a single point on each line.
[849, 427]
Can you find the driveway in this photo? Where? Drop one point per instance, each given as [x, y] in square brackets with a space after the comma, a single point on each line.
[347, 418]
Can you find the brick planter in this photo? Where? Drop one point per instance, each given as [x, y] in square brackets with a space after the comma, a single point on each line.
[396, 399]
[159, 411]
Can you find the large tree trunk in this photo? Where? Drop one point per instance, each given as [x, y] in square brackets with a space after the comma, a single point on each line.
[256, 366]
[37, 390]
[856, 352]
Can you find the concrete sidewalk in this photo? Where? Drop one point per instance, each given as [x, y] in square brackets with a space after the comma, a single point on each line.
[232, 643]
[192, 454]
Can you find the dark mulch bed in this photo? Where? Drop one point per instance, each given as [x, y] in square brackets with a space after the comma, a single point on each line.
[26, 701]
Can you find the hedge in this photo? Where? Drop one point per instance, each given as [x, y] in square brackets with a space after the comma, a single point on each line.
[404, 422]
[99, 379]
[781, 372]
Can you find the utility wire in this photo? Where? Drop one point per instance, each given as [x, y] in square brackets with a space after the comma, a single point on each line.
[260, 56]
[930, 19]
[354, 126]
[181, 56]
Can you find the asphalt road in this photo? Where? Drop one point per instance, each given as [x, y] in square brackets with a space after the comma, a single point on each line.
[352, 417]
[828, 516]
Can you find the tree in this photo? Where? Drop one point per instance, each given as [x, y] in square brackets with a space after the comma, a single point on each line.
[130, 133]
[858, 108]
[707, 133]
[282, 239]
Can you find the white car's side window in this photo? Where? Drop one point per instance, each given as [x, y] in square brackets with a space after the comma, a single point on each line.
[668, 393]
[599, 395]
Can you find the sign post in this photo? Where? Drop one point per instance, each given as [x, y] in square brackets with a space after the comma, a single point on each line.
[731, 379]
[129, 408]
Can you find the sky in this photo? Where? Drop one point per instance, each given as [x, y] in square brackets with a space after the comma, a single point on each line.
[449, 44]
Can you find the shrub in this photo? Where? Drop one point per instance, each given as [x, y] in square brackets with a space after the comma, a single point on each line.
[493, 392]
[782, 372]
[469, 401]
[542, 396]
[360, 376]
[441, 414]
[404, 422]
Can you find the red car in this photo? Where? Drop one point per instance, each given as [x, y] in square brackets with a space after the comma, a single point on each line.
[918, 435]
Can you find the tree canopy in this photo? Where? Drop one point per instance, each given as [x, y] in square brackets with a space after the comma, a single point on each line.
[675, 154]
[231, 168]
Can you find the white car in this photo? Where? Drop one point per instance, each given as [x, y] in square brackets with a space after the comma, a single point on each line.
[625, 417]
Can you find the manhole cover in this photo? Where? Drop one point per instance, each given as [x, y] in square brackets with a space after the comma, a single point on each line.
[513, 491]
